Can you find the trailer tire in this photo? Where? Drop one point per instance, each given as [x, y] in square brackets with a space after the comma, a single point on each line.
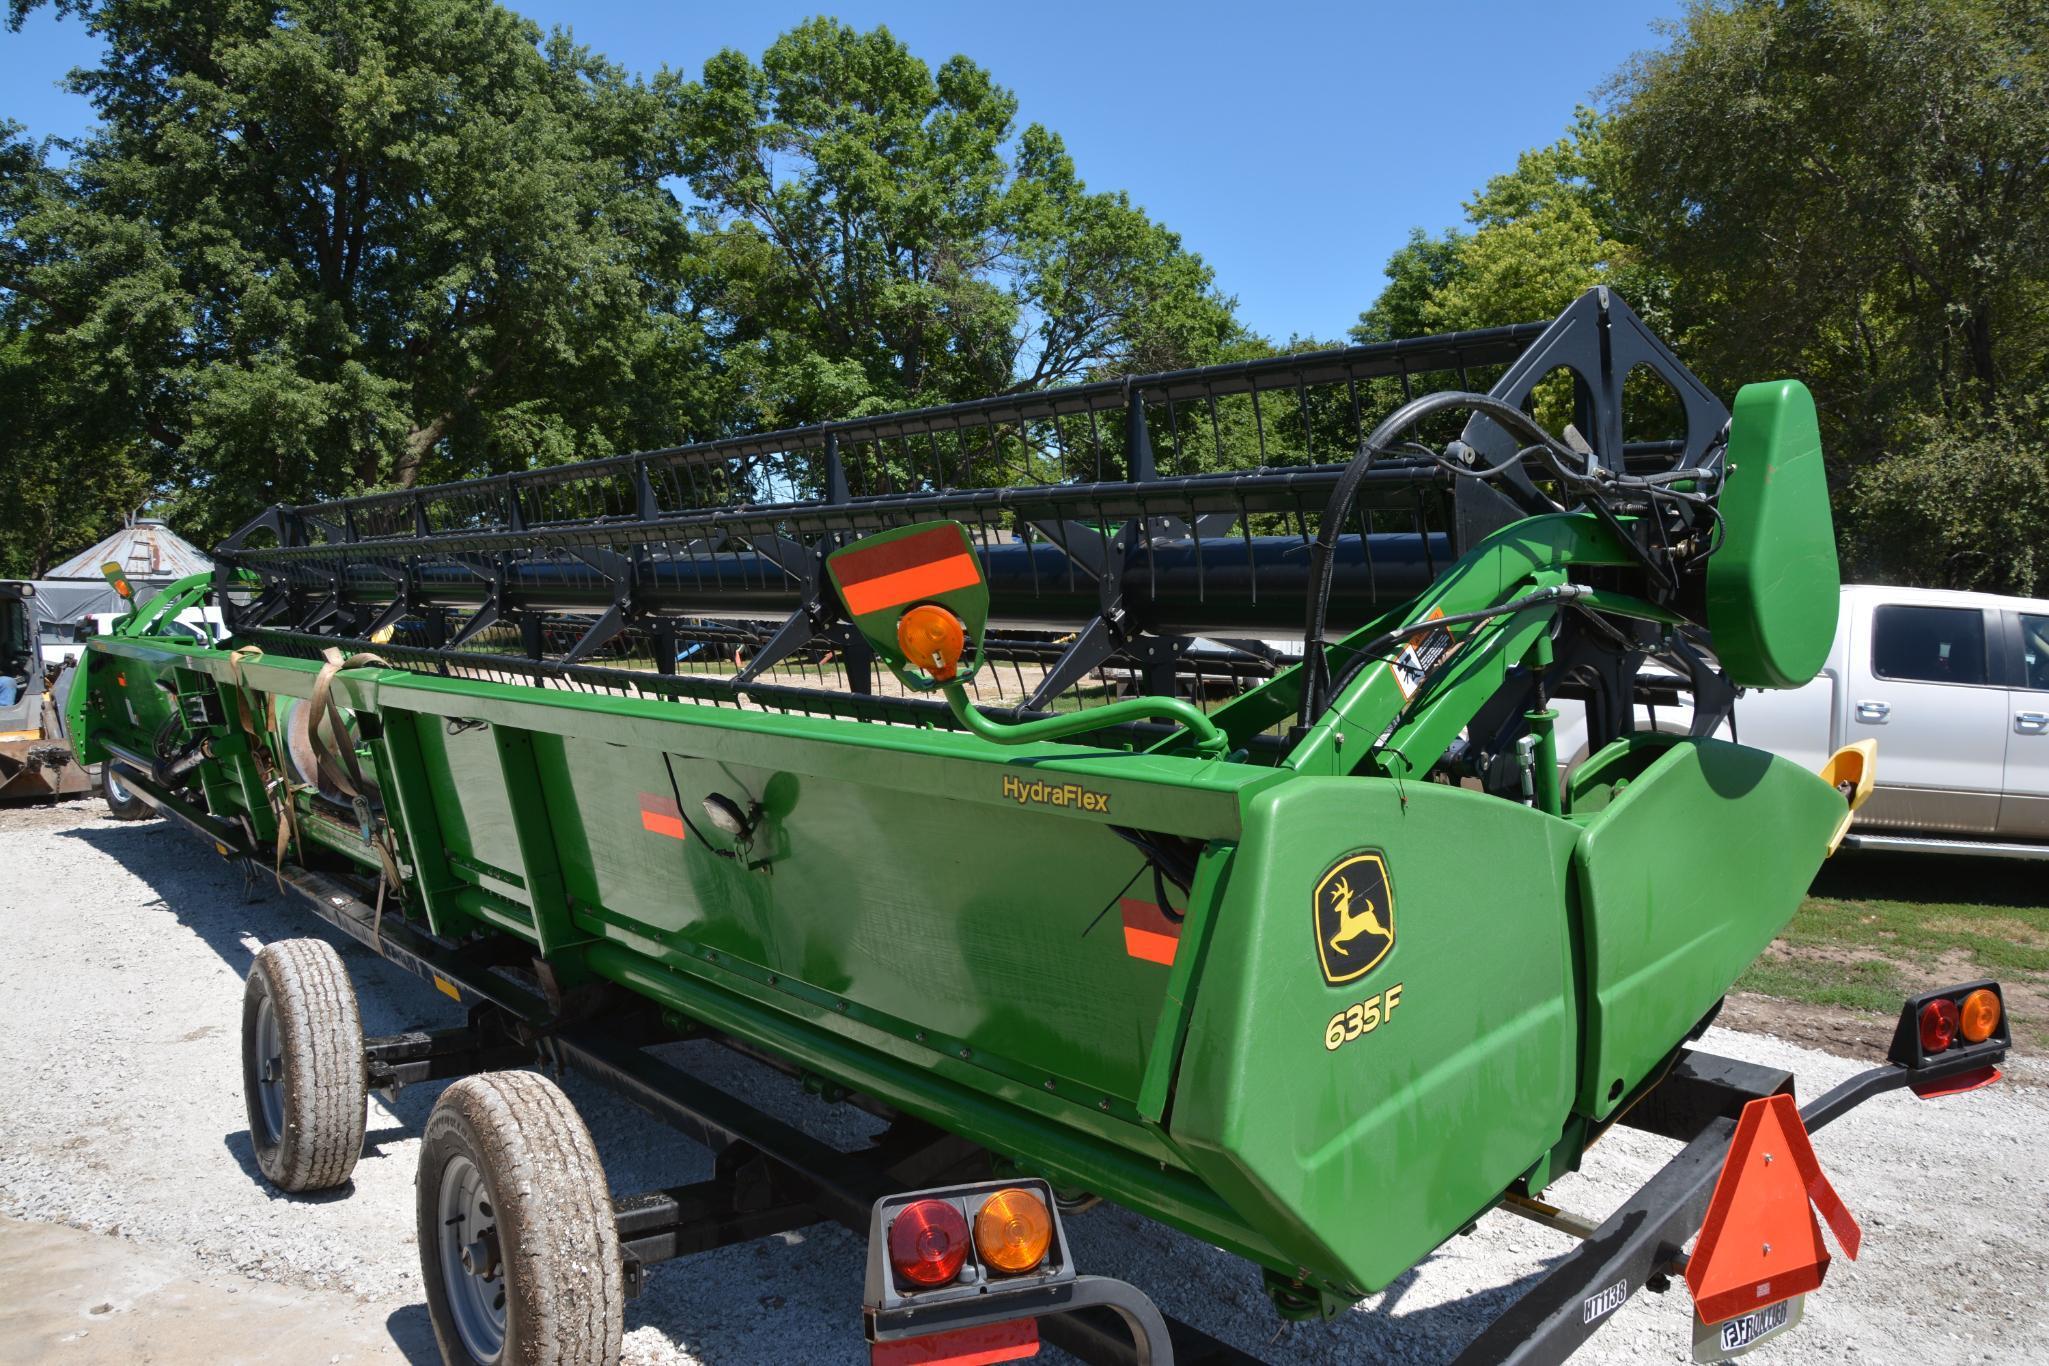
[122, 804]
[302, 1065]
[541, 1282]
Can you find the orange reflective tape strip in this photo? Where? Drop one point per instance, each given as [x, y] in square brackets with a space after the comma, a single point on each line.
[905, 552]
[1148, 934]
[909, 585]
[662, 815]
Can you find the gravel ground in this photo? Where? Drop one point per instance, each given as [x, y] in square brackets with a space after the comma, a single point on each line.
[119, 1004]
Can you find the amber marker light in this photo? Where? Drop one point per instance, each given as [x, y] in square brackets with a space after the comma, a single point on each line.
[1978, 1016]
[1012, 1231]
[932, 638]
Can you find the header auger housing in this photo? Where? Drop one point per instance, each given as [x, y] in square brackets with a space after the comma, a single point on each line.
[1202, 843]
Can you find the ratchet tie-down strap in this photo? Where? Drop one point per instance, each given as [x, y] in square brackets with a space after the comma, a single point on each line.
[269, 772]
[339, 766]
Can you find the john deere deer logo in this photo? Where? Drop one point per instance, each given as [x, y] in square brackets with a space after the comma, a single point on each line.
[1354, 915]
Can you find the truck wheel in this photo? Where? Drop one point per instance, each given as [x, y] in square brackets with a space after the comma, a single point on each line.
[302, 1065]
[518, 1243]
[122, 804]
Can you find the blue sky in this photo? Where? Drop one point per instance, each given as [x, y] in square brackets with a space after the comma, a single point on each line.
[1293, 145]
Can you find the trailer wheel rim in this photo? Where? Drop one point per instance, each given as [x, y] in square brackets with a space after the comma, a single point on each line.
[270, 1071]
[471, 1265]
[117, 789]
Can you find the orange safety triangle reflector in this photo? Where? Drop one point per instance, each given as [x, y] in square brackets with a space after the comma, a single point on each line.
[983, 1345]
[1760, 1243]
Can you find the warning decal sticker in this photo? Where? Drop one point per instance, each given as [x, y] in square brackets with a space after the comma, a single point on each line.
[1421, 653]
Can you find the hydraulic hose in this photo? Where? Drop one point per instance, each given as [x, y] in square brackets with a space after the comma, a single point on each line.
[1322, 561]
[1208, 739]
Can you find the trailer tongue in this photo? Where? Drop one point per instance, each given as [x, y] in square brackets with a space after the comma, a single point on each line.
[1146, 788]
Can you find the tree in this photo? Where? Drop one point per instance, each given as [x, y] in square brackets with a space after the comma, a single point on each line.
[315, 248]
[1540, 235]
[66, 469]
[1416, 274]
[882, 237]
[60, 487]
[1851, 192]
[1543, 234]
[1959, 503]
[362, 244]
[1854, 191]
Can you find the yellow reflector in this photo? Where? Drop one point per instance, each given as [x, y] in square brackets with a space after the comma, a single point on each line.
[1013, 1231]
[1980, 1012]
[932, 638]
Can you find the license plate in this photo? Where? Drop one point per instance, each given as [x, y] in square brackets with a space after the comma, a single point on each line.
[1733, 1337]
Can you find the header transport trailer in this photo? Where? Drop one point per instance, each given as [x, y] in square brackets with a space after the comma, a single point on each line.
[1142, 791]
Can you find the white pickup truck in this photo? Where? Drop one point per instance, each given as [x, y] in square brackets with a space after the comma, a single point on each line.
[1955, 689]
[1953, 686]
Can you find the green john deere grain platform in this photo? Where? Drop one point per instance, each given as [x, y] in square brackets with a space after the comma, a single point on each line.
[1150, 785]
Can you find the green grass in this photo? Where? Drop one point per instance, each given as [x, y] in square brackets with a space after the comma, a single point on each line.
[1878, 928]
[1857, 986]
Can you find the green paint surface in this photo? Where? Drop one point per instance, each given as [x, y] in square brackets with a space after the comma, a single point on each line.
[935, 920]
[1773, 585]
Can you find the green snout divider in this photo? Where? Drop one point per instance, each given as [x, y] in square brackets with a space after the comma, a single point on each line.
[1773, 587]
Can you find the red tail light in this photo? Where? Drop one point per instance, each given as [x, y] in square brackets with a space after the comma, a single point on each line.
[1939, 1024]
[928, 1241]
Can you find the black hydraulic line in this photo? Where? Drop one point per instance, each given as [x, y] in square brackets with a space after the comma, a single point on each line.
[140, 777]
[1316, 689]
[1376, 648]
[166, 771]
